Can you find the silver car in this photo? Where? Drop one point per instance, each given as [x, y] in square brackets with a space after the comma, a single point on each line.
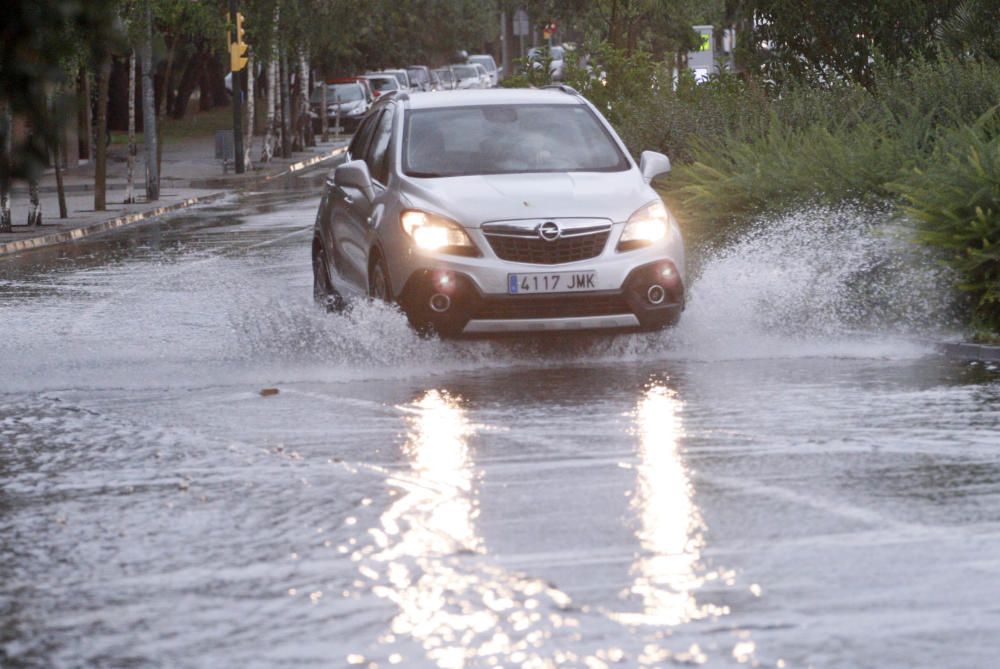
[489, 65]
[503, 210]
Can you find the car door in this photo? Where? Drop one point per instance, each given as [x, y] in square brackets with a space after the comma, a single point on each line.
[346, 206]
[363, 214]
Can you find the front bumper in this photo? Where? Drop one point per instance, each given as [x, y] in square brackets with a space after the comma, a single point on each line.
[469, 310]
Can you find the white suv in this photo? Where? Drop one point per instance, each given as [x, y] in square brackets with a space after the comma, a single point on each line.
[504, 210]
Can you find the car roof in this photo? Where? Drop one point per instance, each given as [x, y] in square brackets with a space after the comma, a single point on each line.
[493, 96]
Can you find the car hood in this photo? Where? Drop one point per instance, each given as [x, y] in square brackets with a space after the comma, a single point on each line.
[474, 200]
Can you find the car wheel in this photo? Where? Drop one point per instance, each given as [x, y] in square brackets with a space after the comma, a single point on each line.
[378, 281]
[323, 291]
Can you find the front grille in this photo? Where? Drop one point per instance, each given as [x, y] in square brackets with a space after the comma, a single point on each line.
[537, 251]
[557, 306]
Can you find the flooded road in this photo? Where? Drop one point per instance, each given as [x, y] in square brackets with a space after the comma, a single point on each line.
[765, 486]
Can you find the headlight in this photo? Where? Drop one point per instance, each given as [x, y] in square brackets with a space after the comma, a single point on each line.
[646, 226]
[436, 233]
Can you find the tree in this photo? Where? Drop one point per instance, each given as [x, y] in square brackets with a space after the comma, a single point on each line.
[39, 42]
[829, 41]
[149, 128]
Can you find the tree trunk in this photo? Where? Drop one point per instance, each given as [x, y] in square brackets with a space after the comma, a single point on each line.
[54, 144]
[149, 124]
[6, 119]
[217, 81]
[205, 89]
[248, 122]
[305, 124]
[88, 120]
[267, 151]
[508, 41]
[130, 181]
[35, 208]
[286, 108]
[101, 167]
[189, 81]
[324, 122]
[165, 96]
[60, 190]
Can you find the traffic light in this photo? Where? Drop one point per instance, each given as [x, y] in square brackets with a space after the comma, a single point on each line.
[237, 49]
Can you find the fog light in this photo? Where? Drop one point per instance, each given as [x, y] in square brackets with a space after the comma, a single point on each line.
[656, 294]
[440, 302]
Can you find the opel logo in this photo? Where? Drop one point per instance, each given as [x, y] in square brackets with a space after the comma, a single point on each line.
[549, 231]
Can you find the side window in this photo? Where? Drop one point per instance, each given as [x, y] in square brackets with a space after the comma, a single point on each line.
[361, 137]
[378, 152]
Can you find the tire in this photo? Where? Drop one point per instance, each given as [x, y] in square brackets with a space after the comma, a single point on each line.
[379, 288]
[323, 291]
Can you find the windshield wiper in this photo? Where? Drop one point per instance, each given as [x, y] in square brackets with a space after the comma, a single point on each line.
[427, 175]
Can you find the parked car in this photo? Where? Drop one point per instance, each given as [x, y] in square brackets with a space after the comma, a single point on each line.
[499, 211]
[369, 93]
[420, 77]
[445, 77]
[489, 65]
[403, 76]
[484, 76]
[346, 103]
[467, 76]
[383, 83]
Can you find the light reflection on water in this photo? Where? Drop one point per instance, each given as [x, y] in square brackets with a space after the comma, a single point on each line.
[463, 609]
[457, 605]
[668, 572]
[432, 519]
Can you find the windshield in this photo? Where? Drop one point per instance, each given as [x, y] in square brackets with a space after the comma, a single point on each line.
[417, 75]
[485, 61]
[385, 83]
[444, 75]
[465, 71]
[508, 139]
[339, 93]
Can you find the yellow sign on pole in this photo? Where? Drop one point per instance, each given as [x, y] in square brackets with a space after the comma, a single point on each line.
[237, 49]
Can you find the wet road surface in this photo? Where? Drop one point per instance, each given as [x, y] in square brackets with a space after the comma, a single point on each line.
[733, 493]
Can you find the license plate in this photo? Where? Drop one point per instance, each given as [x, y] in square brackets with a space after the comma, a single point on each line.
[551, 282]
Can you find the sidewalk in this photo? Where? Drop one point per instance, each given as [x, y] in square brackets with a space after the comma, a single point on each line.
[190, 175]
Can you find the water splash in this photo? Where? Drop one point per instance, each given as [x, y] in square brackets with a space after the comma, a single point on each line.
[815, 282]
[819, 280]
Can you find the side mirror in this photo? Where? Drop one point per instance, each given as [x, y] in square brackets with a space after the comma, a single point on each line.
[355, 175]
[653, 164]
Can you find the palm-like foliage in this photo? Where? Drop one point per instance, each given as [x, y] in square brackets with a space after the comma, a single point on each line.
[972, 29]
[956, 201]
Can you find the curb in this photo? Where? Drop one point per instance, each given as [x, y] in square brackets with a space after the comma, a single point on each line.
[76, 234]
[980, 352]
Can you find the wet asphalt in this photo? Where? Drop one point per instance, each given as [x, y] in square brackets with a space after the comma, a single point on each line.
[730, 493]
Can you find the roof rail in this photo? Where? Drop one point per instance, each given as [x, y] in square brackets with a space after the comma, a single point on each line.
[562, 87]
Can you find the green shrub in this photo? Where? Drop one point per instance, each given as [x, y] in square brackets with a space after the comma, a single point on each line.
[816, 145]
[955, 200]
